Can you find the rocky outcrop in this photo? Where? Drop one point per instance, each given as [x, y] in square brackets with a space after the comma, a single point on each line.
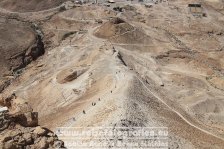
[5, 121]
[34, 51]
[23, 113]
[4, 84]
[30, 137]
[19, 127]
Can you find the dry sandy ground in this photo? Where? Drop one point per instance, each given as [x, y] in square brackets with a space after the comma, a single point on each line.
[29, 6]
[150, 67]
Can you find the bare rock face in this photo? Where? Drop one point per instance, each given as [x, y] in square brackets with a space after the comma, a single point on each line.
[22, 112]
[34, 51]
[28, 119]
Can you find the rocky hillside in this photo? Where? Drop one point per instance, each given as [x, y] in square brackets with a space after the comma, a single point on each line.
[114, 65]
[29, 6]
[20, 44]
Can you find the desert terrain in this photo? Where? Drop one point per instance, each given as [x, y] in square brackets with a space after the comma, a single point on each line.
[123, 63]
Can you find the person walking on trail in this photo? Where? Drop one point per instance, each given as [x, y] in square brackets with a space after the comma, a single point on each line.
[84, 112]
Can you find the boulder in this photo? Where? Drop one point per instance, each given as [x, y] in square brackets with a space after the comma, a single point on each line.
[28, 138]
[22, 113]
[99, 21]
[42, 144]
[40, 131]
[5, 121]
[9, 145]
[21, 141]
[58, 144]
[29, 119]
[51, 140]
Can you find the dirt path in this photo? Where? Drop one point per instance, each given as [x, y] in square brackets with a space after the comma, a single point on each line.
[180, 113]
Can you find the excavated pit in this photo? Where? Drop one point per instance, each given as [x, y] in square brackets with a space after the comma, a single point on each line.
[69, 75]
